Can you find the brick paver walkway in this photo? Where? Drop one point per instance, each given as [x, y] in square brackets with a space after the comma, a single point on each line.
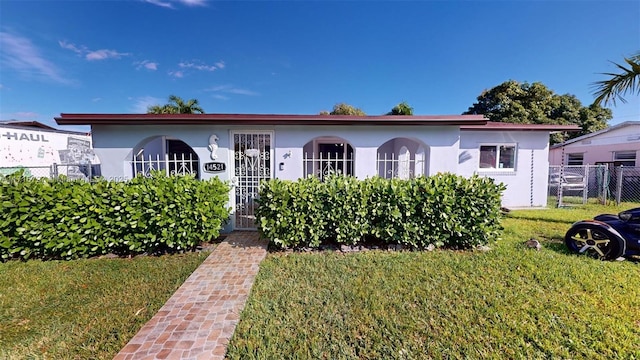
[199, 319]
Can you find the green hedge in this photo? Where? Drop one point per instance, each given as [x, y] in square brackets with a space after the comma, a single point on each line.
[440, 210]
[60, 219]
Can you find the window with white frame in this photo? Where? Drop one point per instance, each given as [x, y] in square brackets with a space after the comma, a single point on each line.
[501, 157]
[575, 159]
[625, 158]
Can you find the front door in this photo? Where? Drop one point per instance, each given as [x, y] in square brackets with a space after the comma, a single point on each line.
[252, 162]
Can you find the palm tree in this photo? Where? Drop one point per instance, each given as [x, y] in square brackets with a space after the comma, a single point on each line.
[176, 106]
[628, 80]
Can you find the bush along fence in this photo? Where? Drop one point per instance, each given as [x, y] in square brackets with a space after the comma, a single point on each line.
[443, 210]
[62, 219]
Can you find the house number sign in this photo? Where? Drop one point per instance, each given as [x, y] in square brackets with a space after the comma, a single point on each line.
[214, 167]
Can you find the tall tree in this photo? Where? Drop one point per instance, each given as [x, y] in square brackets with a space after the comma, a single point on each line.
[628, 80]
[344, 109]
[534, 103]
[176, 106]
[401, 109]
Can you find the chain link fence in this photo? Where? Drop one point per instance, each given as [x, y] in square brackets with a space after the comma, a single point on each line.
[70, 171]
[573, 184]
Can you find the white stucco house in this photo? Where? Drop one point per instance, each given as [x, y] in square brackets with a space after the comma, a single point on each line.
[246, 148]
[617, 145]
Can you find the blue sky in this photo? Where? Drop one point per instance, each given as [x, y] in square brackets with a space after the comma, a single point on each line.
[302, 57]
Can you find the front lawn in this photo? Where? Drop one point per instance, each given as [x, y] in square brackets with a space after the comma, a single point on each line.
[511, 302]
[83, 309]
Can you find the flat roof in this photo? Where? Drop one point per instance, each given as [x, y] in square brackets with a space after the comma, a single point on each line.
[264, 119]
[38, 126]
[466, 122]
[496, 126]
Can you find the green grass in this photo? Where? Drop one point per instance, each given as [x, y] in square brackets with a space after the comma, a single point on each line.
[511, 302]
[83, 309]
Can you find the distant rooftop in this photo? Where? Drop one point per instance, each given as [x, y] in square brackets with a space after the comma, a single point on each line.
[596, 133]
[36, 126]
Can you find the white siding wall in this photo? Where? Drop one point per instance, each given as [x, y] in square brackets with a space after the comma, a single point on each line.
[523, 190]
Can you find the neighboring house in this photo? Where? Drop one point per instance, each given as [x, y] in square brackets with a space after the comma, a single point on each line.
[617, 145]
[246, 148]
[35, 147]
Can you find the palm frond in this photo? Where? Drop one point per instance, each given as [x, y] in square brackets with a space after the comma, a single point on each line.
[618, 85]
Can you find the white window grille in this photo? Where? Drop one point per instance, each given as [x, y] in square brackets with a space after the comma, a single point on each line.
[171, 164]
[324, 164]
[400, 166]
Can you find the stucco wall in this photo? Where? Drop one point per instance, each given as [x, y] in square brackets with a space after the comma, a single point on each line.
[448, 150]
[114, 143]
[527, 184]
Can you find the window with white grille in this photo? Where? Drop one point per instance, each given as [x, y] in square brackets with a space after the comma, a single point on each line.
[328, 155]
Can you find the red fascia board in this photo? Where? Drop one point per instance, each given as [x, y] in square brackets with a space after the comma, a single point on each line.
[264, 119]
[495, 126]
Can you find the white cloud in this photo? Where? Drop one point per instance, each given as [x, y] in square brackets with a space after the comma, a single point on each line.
[176, 74]
[230, 89]
[103, 54]
[193, 2]
[20, 54]
[91, 55]
[163, 4]
[220, 97]
[141, 104]
[96, 99]
[197, 66]
[220, 64]
[149, 65]
[72, 47]
[169, 3]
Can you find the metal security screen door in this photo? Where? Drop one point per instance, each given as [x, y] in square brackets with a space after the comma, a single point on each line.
[252, 162]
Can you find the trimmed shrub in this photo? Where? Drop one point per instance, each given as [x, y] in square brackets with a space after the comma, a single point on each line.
[61, 219]
[440, 210]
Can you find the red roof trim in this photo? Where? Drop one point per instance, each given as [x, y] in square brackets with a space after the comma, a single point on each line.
[494, 126]
[264, 119]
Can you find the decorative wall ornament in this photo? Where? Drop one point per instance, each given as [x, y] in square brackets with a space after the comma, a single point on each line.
[213, 146]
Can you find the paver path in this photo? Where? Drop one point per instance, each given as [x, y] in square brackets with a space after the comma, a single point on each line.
[199, 319]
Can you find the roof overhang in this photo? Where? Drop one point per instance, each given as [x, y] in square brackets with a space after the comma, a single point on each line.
[27, 124]
[266, 119]
[500, 126]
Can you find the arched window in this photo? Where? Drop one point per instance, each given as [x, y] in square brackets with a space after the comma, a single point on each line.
[402, 158]
[167, 154]
[328, 155]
